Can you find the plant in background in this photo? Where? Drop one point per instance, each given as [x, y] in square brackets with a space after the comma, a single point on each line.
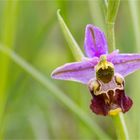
[103, 73]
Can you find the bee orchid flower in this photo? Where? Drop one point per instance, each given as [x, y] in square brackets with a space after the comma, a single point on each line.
[102, 72]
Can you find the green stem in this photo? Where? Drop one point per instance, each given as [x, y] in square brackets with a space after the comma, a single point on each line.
[121, 128]
[112, 11]
[111, 36]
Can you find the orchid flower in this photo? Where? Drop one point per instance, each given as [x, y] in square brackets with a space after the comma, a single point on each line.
[102, 72]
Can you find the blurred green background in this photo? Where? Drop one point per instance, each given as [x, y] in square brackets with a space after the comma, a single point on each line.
[32, 30]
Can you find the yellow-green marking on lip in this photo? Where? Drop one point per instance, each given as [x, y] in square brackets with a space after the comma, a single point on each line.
[104, 70]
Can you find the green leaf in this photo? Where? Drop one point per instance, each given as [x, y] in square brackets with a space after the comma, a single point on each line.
[77, 53]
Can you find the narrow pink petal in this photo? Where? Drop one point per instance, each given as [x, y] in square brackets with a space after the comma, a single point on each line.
[125, 64]
[95, 42]
[78, 71]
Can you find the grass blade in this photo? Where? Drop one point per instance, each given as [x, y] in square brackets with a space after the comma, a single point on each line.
[8, 35]
[77, 53]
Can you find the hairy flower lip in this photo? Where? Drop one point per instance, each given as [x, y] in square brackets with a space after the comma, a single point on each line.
[100, 106]
[105, 88]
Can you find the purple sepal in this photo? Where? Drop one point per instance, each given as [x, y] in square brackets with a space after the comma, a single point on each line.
[95, 42]
[78, 71]
[100, 106]
[125, 64]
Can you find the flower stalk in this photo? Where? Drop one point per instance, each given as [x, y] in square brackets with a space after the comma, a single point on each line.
[121, 128]
[111, 36]
[112, 10]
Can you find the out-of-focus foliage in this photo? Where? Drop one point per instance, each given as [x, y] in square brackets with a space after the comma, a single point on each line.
[31, 112]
